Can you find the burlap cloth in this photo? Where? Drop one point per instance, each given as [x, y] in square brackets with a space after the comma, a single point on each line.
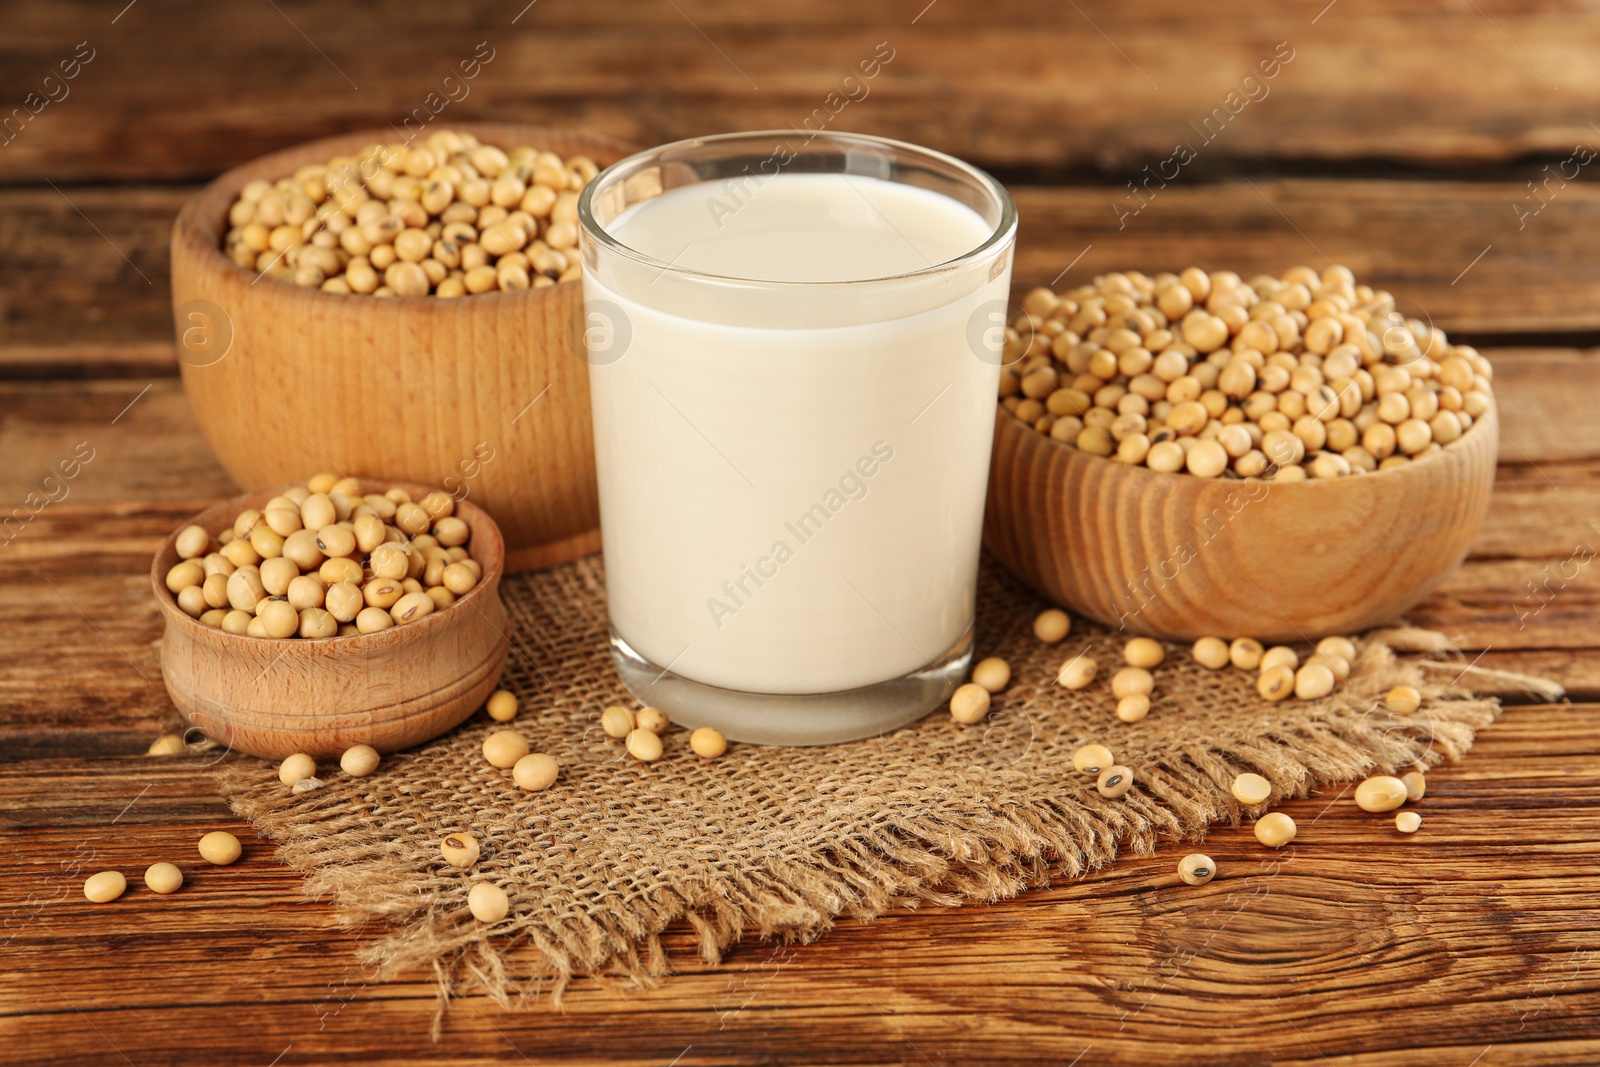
[780, 842]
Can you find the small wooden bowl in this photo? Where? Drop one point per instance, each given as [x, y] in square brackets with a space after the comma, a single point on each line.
[392, 689]
[286, 381]
[1177, 556]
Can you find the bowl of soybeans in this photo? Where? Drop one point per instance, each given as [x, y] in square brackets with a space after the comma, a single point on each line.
[1195, 453]
[336, 612]
[432, 276]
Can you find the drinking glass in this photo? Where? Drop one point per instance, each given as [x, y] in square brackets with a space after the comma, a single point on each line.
[793, 443]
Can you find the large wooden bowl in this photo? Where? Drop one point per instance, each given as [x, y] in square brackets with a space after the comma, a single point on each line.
[391, 690]
[1177, 556]
[286, 382]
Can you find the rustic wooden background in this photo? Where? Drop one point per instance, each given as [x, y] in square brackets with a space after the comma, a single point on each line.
[1401, 139]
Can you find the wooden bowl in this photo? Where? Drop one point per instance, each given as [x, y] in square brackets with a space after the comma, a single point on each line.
[482, 392]
[392, 689]
[1177, 556]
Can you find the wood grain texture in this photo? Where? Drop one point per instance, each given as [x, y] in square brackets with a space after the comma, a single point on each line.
[1475, 243]
[487, 389]
[1182, 557]
[71, 305]
[1090, 86]
[1470, 944]
[1475, 932]
[392, 689]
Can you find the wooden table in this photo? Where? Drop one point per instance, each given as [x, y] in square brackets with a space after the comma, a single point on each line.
[1397, 139]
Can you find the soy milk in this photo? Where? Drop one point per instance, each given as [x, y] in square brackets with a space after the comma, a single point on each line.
[792, 479]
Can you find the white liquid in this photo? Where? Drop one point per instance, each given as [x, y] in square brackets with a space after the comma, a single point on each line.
[795, 509]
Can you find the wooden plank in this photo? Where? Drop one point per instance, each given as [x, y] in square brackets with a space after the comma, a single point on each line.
[1577, 671]
[1475, 932]
[1472, 256]
[1092, 86]
[72, 305]
[133, 359]
[1547, 510]
[87, 273]
[1543, 420]
[136, 441]
[1517, 604]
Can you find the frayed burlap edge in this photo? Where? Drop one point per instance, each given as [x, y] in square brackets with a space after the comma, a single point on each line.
[940, 857]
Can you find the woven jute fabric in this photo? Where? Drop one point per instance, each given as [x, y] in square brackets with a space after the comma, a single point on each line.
[780, 842]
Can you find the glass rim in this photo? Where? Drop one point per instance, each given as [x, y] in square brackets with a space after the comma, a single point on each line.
[1004, 231]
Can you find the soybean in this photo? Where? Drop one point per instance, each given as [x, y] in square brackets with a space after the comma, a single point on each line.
[1313, 681]
[1245, 653]
[969, 704]
[617, 722]
[502, 705]
[192, 541]
[296, 767]
[220, 847]
[359, 761]
[487, 902]
[1276, 683]
[105, 887]
[1342, 647]
[185, 574]
[1077, 672]
[1133, 707]
[372, 620]
[1211, 652]
[1114, 781]
[993, 674]
[319, 555]
[459, 850]
[1144, 652]
[1052, 626]
[504, 747]
[413, 607]
[653, 719]
[334, 225]
[645, 745]
[1092, 759]
[1279, 656]
[315, 623]
[1249, 788]
[1404, 699]
[1196, 869]
[1285, 366]
[535, 772]
[708, 743]
[1275, 829]
[1130, 681]
[1381, 793]
[163, 878]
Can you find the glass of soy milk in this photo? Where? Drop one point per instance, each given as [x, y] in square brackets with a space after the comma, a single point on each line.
[794, 347]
